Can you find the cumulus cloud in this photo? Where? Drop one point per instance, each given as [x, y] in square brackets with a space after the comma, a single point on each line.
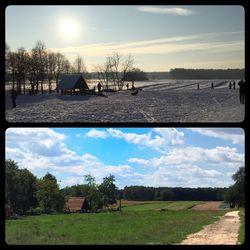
[235, 135]
[94, 133]
[166, 10]
[186, 175]
[158, 138]
[44, 141]
[194, 155]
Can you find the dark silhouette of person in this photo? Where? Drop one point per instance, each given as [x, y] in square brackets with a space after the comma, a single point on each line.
[133, 85]
[234, 84]
[242, 90]
[13, 98]
[198, 86]
[127, 86]
[230, 85]
[212, 85]
[99, 87]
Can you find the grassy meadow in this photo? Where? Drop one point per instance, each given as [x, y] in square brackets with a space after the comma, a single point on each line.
[163, 205]
[242, 227]
[135, 224]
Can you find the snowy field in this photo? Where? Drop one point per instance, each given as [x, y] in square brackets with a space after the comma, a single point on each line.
[159, 101]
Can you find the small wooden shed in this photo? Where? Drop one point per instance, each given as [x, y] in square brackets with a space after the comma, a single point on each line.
[72, 83]
[77, 204]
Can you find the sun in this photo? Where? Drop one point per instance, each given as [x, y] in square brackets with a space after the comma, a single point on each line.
[69, 28]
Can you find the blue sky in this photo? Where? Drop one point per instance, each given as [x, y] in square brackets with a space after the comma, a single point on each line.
[158, 37]
[184, 157]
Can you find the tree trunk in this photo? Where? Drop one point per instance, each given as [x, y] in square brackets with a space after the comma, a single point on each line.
[42, 86]
[24, 89]
[37, 83]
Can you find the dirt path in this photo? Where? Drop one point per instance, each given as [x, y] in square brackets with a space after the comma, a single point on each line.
[222, 232]
[211, 205]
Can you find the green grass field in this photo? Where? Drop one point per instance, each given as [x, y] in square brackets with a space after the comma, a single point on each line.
[147, 225]
[241, 238]
[167, 205]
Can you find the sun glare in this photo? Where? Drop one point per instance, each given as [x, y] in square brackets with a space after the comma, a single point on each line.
[69, 28]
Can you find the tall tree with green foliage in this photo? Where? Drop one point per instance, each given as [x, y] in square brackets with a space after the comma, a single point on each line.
[11, 189]
[92, 193]
[20, 188]
[49, 195]
[235, 194]
[108, 190]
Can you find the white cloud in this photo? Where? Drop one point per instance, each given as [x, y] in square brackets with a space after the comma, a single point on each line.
[186, 175]
[194, 155]
[138, 160]
[166, 10]
[171, 136]
[97, 134]
[158, 138]
[235, 135]
[43, 141]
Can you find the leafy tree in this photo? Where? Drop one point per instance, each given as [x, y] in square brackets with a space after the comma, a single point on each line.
[11, 189]
[92, 193]
[235, 195]
[231, 196]
[108, 190]
[20, 188]
[27, 190]
[48, 194]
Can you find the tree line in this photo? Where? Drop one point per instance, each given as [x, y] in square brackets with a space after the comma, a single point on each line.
[181, 73]
[141, 193]
[40, 66]
[27, 194]
[37, 67]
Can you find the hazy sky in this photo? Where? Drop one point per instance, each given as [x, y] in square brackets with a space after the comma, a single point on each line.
[183, 157]
[158, 37]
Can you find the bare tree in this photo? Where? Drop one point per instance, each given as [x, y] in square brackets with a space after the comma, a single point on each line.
[60, 61]
[32, 71]
[7, 66]
[115, 69]
[39, 55]
[79, 65]
[11, 57]
[115, 62]
[67, 68]
[127, 66]
[21, 69]
[98, 68]
[51, 67]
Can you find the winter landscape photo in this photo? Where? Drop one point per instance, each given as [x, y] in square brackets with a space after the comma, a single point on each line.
[131, 63]
[124, 186]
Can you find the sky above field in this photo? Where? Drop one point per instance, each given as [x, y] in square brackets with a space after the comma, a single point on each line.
[159, 37]
[182, 157]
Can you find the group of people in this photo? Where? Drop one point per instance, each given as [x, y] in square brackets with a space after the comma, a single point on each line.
[99, 87]
[232, 84]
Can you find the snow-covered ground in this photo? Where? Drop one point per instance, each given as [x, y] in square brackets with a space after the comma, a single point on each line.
[159, 101]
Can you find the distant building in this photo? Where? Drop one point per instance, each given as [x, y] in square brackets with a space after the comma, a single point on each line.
[77, 204]
[72, 83]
